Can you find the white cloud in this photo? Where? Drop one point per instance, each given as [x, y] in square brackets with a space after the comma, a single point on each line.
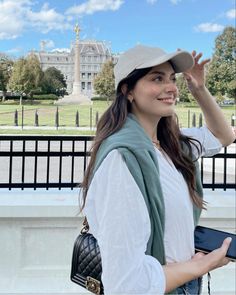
[14, 51]
[12, 18]
[175, 2]
[231, 14]
[92, 6]
[16, 16]
[209, 27]
[47, 19]
[151, 1]
[47, 43]
[61, 50]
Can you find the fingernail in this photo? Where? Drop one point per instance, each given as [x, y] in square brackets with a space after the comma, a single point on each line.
[229, 239]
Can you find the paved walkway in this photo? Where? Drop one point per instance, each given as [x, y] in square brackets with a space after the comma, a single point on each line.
[47, 128]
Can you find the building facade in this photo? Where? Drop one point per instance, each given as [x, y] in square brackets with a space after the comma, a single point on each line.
[93, 54]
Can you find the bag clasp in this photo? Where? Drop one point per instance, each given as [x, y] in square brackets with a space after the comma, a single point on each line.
[93, 285]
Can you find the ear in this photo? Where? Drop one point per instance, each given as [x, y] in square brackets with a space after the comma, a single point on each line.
[124, 88]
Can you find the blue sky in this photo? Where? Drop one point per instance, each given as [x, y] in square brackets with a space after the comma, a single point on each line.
[170, 24]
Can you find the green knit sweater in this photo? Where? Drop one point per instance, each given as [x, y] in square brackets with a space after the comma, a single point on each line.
[140, 157]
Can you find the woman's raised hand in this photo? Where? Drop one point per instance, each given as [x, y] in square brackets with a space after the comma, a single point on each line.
[195, 76]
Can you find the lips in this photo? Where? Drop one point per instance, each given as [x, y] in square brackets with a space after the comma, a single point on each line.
[167, 99]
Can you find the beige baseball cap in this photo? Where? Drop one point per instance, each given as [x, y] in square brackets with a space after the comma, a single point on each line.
[140, 57]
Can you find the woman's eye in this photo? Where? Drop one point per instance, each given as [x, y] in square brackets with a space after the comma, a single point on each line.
[159, 78]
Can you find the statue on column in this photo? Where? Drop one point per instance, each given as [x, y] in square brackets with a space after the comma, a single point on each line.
[77, 30]
[76, 97]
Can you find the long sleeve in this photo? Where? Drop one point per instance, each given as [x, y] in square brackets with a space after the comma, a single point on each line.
[210, 144]
[119, 220]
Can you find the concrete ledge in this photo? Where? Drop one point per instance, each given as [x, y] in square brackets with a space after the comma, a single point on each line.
[65, 203]
[38, 230]
[39, 203]
[221, 210]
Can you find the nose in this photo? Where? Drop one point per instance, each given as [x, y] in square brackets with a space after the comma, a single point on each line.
[171, 87]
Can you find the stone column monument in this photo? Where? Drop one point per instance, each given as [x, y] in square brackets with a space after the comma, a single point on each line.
[76, 97]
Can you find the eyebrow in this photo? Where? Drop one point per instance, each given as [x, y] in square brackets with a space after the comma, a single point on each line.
[161, 73]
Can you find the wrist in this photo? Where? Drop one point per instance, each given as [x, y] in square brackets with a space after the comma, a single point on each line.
[202, 94]
[179, 273]
[204, 265]
[198, 91]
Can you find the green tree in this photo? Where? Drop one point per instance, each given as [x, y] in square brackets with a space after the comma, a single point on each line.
[53, 81]
[26, 76]
[18, 77]
[184, 94]
[104, 83]
[5, 73]
[222, 69]
[35, 75]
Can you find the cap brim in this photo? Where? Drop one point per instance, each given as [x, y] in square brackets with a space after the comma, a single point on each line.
[180, 60]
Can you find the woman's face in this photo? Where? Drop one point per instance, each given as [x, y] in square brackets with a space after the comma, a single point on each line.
[154, 95]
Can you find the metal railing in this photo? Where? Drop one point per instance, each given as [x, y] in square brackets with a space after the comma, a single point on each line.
[219, 171]
[60, 162]
[43, 161]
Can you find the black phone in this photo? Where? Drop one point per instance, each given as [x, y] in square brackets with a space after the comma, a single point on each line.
[207, 239]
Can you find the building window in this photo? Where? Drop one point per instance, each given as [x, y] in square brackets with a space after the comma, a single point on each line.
[83, 75]
[89, 76]
[66, 58]
[89, 86]
[83, 85]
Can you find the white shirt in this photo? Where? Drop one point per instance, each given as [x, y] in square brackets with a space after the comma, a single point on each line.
[119, 220]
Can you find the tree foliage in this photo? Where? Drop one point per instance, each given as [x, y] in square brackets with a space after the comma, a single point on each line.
[184, 94]
[26, 76]
[104, 83]
[53, 81]
[5, 72]
[18, 76]
[222, 69]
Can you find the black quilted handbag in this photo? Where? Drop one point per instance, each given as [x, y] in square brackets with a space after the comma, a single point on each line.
[86, 266]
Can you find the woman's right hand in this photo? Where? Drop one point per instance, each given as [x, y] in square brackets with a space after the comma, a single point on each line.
[180, 273]
[217, 258]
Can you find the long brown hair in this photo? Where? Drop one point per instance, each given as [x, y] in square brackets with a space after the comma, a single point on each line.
[168, 132]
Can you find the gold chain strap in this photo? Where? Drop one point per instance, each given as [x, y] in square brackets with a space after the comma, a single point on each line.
[85, 227]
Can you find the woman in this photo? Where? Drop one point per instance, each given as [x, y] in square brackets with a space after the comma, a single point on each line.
[142, 193]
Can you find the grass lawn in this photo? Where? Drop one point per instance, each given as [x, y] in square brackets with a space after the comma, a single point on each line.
[47, 112]
[87, 116]
[45, 132]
